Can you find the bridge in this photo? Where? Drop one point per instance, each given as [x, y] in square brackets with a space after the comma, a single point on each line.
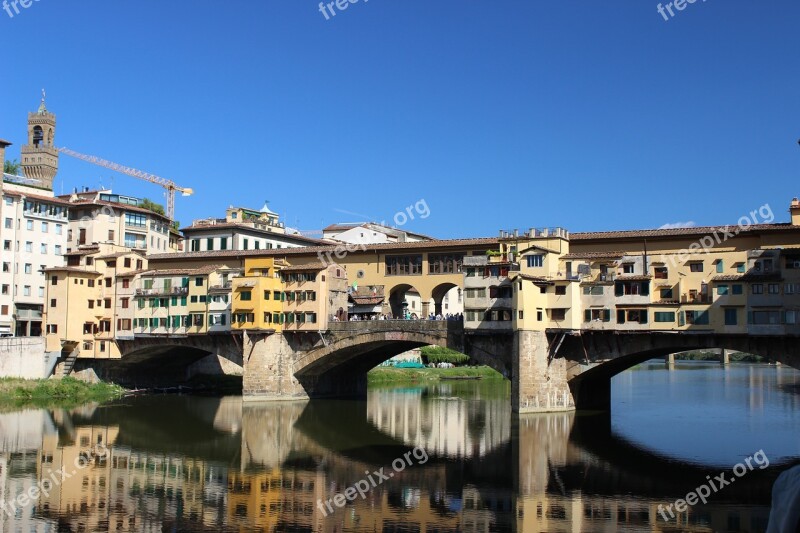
[551, 370]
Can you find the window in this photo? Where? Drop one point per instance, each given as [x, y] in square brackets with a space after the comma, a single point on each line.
[246, 296]
[597, 315]
[210, 244]
[764, 318]
[26, 290]
[29, 247]
[90, 283]
[9, 223]
[736, 289]
[594, 290]
[699, 318]
[7, 245]
[661, 273]
[4, 310]
[445, 263]
[108, 282]
[245, 244]
[59, 229]
[223, 243]
[664, 316]
[627, 268]
[44, 227]
[722, 290]
[731, 317]
[41, 292]
[758, 288]
[535, 261]
[53, 280]
[124, 303]
[136, 220]
[740, 268]
[6, 267]
[697, 266]
[28, 268]
[111, 235]
[52, 329]
[774, 288]
[107, 303]
[558, 314]
[53, 302]
[266, 295]
[666, 294]
[561, 290]
[57, 250]
[399, 265]
[277, 296]
[5, 289]
[720, 266]
[90, 304]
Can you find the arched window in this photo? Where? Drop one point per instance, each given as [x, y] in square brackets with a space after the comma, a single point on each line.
[38, 135]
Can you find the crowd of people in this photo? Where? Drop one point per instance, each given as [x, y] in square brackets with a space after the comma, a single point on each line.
[406, 316]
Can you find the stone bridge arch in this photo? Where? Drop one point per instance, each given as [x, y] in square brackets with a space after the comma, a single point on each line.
[594, 358]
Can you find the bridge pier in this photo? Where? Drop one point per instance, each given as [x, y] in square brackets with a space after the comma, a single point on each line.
[539, 384]
[268, 368]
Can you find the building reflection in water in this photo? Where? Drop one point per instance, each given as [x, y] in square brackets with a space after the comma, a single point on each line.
[203, 464]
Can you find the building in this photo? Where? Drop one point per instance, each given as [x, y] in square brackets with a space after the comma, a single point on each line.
[370, 233]
[34, 237]
[488, 292]
[243, 229]
[40, 156]
[104, 217]
[313, 295]
[84, 312]
[180, 302]
[257, 295]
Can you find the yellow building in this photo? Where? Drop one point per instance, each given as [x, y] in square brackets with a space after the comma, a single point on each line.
[313, 295]
[83, 302]
[257, 295]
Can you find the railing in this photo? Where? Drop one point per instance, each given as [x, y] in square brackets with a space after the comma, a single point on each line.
[697, 299]
[173, 291]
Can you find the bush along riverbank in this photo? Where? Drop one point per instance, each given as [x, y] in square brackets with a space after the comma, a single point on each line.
[42, 393]
[384, 374]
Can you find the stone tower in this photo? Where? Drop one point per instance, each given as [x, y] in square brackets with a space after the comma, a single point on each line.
[39, 156]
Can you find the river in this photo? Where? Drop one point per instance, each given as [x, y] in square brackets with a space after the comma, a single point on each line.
[447, 457]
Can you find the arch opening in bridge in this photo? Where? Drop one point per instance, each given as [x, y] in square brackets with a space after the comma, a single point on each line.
[447, 299]
[405, 301]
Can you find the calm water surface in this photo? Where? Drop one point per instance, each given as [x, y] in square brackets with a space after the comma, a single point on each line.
[216, 464]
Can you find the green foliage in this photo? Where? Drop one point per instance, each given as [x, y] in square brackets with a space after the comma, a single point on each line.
[493, 253]
[705, 355]
[437, 354]
[11, 167]
[383, 374]
[54, 392]
[150, 205]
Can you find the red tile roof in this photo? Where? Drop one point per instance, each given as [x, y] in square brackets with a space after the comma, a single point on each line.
[679, 232]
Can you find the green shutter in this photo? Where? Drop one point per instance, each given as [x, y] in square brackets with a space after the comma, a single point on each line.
[606, 315]
[587, 316]
[618, 289]
[620, 316]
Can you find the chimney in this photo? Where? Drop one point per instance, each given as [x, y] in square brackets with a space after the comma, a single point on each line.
[3, 146]
[794, 210]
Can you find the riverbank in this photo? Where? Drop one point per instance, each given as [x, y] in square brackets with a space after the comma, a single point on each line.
[42, 393]
[386, 374]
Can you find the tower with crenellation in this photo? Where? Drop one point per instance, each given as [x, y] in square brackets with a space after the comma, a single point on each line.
[40, 156]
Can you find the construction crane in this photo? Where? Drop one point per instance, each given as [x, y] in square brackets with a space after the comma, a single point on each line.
[169, 185]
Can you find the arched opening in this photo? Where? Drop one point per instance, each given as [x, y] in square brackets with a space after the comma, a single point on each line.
[406, 302]
[447, 300]
[38, 135]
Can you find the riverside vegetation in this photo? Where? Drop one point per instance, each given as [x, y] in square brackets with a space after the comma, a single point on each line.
[66, 392]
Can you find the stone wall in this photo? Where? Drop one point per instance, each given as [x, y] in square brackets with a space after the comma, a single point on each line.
[25, 357]
[538, 385]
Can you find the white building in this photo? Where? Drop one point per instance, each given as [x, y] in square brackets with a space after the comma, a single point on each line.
[243, 229]
[370, 233]
[33, 233]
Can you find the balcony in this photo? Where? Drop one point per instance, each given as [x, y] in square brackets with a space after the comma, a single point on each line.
[163, 291]
[696, 299]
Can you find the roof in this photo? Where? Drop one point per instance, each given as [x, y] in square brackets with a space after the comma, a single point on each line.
[204, 270]
[367, 300]
[84, 251]
[309, 266]
[345, 226]
[633, 277]
[314, 250]
[117, 255]
[37, 197]
[4, 143]
[73, 270]
[679, 232]
[535, 279]
[594, 255]
[245, 225]
[749, 277]
[88, 202]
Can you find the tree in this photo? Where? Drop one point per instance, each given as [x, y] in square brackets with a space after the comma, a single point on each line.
[11, 167]
[150, 205]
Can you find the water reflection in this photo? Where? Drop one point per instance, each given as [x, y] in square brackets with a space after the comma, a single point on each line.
[197, 464]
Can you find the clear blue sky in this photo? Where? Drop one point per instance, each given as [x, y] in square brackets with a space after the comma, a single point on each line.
[501, 115]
